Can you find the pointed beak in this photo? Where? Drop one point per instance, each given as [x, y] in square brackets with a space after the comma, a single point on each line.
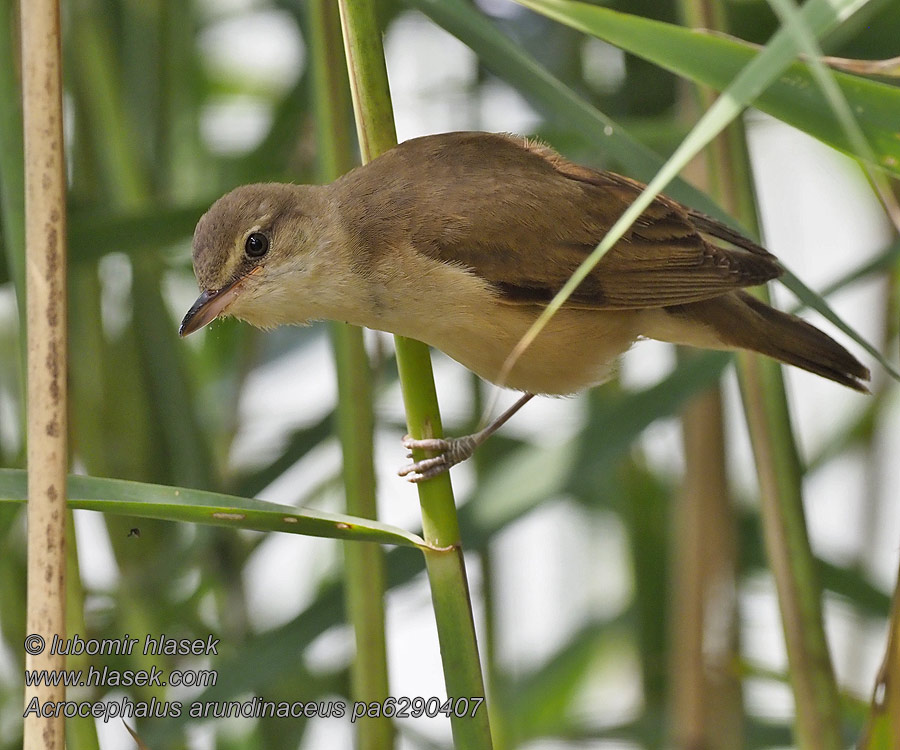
[211, 304]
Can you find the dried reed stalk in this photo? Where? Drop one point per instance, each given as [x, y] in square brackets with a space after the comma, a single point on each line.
[45, 232]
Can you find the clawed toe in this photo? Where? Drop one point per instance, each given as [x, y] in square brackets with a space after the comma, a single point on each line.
[450, 451]
[427, 468]
[434, 445]
[424, 469]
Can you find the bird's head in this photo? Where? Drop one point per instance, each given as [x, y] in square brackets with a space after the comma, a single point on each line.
[251, 249]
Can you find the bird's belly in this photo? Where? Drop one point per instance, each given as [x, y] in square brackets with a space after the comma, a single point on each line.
[453, 310]
[576, 350]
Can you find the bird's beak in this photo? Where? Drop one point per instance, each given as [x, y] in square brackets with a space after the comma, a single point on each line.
[211, 304]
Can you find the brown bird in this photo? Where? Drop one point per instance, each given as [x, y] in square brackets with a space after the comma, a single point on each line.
[459, 240]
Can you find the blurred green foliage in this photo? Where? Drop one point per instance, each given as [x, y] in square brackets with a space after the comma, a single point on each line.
[142, 88]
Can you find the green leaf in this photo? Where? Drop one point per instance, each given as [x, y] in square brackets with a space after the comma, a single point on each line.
[144, 500]
[714, 61]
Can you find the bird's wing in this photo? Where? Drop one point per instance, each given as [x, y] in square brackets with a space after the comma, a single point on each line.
[523, 218]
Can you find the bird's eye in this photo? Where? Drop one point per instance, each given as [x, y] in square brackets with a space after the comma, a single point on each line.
[257, 245]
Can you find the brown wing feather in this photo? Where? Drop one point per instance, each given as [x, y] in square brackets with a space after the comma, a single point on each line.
[523, 218]
[665, 256]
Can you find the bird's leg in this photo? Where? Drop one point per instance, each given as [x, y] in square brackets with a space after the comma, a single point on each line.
[451, 451]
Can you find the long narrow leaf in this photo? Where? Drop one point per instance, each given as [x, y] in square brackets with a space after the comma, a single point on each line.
[714, 61]
[166, 503]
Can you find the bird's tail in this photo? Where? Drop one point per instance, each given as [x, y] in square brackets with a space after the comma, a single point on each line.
[741, 321]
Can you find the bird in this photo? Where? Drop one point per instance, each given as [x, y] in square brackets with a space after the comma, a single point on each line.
[461, 239]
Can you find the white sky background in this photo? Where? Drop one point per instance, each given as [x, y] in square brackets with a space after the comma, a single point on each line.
[819, 218]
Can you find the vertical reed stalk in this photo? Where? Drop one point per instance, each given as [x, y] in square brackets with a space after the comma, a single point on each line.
[445, 565]
[45, 235]
[790, 556]
[705, 690]
[784, 525]
[364, 580]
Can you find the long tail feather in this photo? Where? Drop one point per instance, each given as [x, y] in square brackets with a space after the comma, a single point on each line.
[740, 321]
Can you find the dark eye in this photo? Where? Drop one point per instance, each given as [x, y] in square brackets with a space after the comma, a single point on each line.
[257, 245]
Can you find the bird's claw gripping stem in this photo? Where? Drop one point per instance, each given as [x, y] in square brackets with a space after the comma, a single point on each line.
[450, 451]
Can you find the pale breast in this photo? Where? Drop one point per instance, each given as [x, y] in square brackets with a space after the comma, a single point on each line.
[457, 312]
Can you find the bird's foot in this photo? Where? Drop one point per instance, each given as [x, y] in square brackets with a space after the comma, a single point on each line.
[450, 451]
